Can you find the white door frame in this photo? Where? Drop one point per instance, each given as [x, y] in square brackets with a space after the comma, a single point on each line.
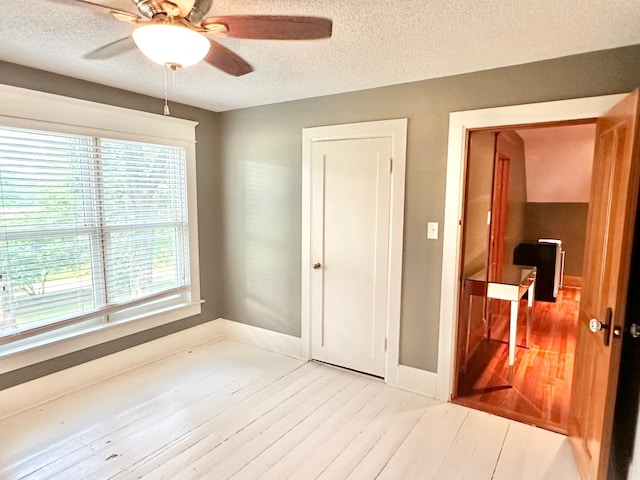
[397, 131]
[459, 124]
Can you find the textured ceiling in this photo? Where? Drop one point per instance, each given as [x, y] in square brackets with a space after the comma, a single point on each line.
[374, 43]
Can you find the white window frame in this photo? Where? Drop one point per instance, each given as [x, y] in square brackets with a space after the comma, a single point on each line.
[23, 108]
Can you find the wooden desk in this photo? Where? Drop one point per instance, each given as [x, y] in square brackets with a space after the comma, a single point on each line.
[516, 280]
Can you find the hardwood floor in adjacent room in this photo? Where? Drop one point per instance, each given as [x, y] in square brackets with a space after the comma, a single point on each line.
[229, 410]
[541, 391]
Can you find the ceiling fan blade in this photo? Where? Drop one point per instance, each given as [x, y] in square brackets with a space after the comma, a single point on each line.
[272, 27]
[199, 10]
[128, 18]
[111, 50]
[221, 57]
[122, 13]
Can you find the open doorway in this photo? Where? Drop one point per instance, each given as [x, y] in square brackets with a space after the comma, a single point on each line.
[527, 195]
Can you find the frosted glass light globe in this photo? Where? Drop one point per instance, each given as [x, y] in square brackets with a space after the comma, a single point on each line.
[172, 45]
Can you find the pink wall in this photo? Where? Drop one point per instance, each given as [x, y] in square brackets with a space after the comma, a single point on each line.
[558, 163]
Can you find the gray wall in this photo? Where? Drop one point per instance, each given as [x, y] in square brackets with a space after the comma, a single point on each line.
[261, 162]
[259, 224]
[566, 221]
[208, 172]
[479, 186]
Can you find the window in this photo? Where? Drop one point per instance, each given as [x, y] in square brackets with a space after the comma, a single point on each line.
[91, 229]
[102, 216]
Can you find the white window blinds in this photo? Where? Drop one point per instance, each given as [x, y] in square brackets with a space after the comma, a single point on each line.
[90, 227]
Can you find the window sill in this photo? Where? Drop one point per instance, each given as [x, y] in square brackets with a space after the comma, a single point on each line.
[41, 348]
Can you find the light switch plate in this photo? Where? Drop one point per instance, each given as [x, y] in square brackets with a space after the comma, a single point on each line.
[432, 230]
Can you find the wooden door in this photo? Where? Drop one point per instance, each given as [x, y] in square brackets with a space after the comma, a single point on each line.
[350, 207]
[498, 228]
[610, 228]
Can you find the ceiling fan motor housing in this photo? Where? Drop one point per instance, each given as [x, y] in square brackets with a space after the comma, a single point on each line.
[151, 8]
[148, 8]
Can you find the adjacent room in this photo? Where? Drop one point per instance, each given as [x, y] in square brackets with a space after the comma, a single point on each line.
[516, 180]
[329, 240]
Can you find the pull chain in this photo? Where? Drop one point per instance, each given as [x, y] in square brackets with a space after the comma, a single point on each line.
[173, 80]
[166, 95]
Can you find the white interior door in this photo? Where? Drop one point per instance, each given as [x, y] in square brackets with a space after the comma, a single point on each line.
[350, 206]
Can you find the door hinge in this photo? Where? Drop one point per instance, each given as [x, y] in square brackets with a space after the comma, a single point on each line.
[391, 165]
[385, 344]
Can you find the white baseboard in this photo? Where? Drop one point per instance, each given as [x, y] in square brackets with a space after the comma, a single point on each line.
[44, 389]
[55, 385]
[260, 337]
[408, 378]
[417, 381]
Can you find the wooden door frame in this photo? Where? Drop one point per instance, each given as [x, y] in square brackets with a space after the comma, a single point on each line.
[397, 131]
[460, 123]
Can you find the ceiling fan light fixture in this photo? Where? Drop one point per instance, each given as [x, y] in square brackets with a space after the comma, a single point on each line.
[170, 44]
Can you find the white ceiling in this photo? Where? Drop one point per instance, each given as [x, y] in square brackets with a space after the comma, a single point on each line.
[374, 43]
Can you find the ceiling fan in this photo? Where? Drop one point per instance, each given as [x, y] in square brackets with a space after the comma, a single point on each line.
[173, 33]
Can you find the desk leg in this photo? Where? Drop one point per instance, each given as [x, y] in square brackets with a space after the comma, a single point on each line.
[488, 315]
[513, 326]
[530, 300]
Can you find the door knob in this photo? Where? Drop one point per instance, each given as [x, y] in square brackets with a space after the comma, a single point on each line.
[596, 325]
[634, 330]
[316, 266]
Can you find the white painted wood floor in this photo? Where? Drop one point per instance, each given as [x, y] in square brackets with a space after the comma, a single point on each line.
[229, 410]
